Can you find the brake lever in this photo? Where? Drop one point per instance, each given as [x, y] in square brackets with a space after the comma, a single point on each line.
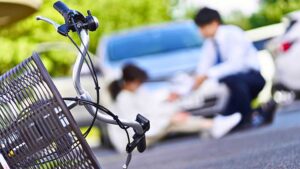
[61, 29]
[56, 25]
[139, 143]
[129, 156]
[139, 140]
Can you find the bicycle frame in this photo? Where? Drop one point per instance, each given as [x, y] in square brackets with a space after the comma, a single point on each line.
[82, 25]
[83, 94]
[37, 128]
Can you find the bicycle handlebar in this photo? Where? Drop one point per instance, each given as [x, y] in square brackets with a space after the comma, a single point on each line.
[85, 24]
[62, 9]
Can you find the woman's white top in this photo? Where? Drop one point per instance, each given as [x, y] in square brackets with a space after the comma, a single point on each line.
[149, 104]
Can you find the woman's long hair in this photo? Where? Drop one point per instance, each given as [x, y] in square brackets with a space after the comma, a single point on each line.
[130, 73]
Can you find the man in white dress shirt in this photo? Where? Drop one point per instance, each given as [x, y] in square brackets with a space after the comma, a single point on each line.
[229, 57]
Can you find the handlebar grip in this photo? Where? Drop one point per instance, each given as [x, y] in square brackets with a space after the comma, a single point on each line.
[62, 9]
[141, 147]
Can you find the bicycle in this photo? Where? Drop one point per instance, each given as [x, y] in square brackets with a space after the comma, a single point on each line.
[37, 129]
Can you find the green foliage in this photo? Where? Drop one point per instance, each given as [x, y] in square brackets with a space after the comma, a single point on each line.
[238, 18]
[19, 40]
[271, 12]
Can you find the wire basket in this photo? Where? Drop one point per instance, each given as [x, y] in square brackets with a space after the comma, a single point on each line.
[37, 129]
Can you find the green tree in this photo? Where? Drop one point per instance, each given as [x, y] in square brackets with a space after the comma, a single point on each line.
[270, 12]
[19, 40]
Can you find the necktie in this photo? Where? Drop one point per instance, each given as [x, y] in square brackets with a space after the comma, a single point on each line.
[218, 53]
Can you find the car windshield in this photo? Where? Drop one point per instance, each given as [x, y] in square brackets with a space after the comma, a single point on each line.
[153, 41]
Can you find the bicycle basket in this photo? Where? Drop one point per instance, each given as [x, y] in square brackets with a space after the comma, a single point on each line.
[36, 128]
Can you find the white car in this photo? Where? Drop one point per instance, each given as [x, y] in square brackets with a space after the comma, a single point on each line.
[285, 50]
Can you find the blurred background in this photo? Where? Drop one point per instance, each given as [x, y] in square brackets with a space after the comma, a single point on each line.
[21, 38]
[130, 30]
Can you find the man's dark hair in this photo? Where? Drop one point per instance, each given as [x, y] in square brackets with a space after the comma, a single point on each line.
[206, 16]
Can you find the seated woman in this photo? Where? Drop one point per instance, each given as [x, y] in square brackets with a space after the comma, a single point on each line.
[165, 116]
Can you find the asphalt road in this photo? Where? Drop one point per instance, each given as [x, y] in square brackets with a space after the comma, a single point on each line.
[276, 146]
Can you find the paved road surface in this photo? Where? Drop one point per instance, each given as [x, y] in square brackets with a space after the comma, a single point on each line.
[270, 147]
